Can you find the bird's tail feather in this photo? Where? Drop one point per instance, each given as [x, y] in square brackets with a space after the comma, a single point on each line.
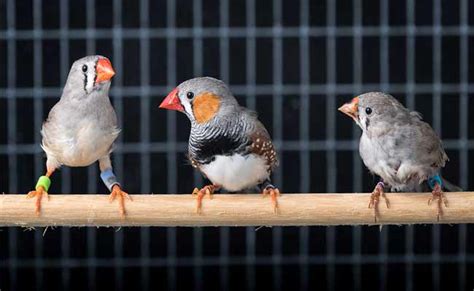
[450, 187]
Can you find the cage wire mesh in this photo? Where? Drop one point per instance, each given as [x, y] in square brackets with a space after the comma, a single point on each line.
[294, 62]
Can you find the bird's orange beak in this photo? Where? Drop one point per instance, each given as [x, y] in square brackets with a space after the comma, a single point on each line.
[351, 109]
[172, 102]
[104, 70]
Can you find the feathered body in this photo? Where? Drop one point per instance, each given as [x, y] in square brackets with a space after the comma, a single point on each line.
[234, 150]
[79, 131]
[82, 127]
[227, 143]
[396, 144]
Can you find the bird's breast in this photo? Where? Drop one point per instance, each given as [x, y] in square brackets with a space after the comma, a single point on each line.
[236, 172]
[79, 146]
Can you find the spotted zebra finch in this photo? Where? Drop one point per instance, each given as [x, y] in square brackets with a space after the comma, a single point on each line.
[227, 144]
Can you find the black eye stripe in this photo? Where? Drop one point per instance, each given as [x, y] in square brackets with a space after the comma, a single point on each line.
[84, 71]
[85, 82]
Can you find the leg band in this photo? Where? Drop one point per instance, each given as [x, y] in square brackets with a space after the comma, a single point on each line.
[432, 181]
[109, 178]
[43, 182]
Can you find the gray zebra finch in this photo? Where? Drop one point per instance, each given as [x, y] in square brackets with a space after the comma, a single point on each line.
[399, 147]
[82, 127]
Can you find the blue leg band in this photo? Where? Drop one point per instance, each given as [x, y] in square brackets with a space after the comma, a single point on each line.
[432, 181]
[109, 179]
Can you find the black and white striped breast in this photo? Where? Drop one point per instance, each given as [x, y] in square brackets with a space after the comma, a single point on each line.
[207, 142]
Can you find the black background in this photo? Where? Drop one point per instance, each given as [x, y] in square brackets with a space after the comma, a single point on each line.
[423, 257]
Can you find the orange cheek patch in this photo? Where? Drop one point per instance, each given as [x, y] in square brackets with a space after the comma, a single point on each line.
[205, 107]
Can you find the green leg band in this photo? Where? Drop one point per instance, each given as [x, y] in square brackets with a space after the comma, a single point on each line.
[44, 182]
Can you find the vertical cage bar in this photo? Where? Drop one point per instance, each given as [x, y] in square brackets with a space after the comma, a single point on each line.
[463, 133]
[172, 177]
[385, 80]
[410, 67]
[145, 166]
[277, 130]
[305, 167]
[331, 169]
[410, 48]
[37, 110]
[435, 265]
[356, 160]
[11, 134]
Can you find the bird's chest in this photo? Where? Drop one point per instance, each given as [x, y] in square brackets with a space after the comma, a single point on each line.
[236, 172]
[85, 144]
[379, 157]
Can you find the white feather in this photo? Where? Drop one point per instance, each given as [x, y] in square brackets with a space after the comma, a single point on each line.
[236, 172]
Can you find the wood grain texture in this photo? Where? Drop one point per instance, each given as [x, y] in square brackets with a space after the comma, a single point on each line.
[233, 210]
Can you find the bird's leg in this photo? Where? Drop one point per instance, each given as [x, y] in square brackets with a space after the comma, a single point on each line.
[41, 189]
[375, 198]
[201, 193]
[438, 195]
[111, 182]
[118, 193]
[269, 189]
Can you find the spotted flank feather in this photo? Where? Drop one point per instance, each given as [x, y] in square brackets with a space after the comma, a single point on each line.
[262, 145]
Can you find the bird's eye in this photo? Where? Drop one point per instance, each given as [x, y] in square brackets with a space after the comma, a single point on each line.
[84, 68]
[190, 95]
[368, 110]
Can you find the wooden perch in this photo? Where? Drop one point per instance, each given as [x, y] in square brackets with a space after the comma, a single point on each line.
[233, 210]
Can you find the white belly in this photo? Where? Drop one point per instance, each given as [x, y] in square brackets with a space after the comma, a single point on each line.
[80, 148]
[236, 172]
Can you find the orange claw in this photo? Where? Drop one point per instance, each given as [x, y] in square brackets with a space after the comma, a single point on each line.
[375, 198]
[206, 190]
[117, 191]
[38, 193]
[439, 196]
[274, 194]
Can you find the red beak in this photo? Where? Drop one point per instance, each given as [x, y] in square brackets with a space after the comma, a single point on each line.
[104, 70]
[351, 109]
[172, 102]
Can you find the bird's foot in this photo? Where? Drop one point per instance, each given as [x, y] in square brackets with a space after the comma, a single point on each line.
[274, 194]
[375, 198]
[118, 193]
[38, 193]
[201, 193]
[441, 199]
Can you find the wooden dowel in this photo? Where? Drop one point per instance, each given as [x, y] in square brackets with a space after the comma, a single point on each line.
[233, 210]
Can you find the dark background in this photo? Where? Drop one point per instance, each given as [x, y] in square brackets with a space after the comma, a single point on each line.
[294, 62]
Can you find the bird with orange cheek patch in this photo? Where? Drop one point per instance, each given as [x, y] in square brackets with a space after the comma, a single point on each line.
[82, 127]
[228, 144]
